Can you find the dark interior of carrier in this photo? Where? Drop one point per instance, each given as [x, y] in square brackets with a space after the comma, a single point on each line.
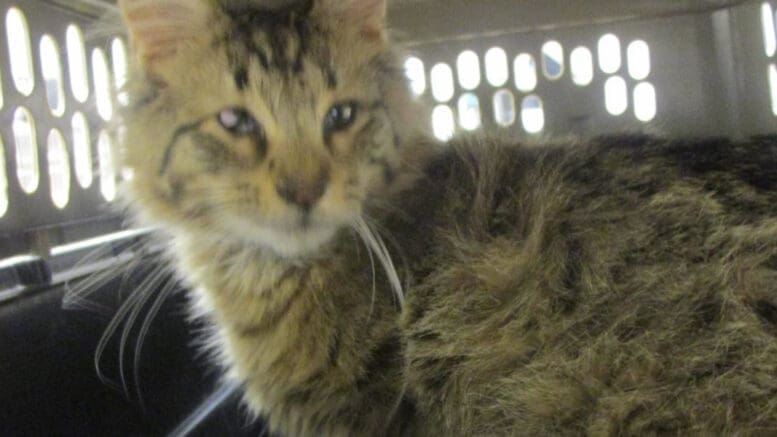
[530, 69]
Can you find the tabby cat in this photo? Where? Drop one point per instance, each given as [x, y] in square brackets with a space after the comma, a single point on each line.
[616, 286]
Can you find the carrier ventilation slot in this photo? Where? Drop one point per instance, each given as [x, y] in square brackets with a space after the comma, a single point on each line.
[768, 22]
[624, 72]
[58, 152]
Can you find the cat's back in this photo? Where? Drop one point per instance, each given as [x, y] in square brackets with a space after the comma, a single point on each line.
[627, 285]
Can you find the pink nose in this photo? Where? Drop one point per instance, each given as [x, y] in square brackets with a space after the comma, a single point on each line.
[302, 193]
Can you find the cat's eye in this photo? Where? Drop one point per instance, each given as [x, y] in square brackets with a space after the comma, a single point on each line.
[340, 117]
[238, 121]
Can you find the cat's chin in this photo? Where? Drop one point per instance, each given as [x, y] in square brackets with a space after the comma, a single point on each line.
[293, 243]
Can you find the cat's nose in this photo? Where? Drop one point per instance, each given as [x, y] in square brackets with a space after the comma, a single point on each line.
[302, 193]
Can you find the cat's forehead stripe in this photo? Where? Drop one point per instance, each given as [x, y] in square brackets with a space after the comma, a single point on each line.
[240, 75]
[278, 40]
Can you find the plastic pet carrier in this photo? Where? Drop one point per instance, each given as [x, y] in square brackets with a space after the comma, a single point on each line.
[530, 69]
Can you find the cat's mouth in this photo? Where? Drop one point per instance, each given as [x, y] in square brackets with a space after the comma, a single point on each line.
[296, 237]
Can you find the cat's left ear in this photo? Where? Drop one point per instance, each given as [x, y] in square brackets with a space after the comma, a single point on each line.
[368, 16]
[160, 29]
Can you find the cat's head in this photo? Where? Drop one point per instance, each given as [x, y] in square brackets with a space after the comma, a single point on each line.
[267, 125]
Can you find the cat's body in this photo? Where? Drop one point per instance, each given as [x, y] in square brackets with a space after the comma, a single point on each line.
[621, 286]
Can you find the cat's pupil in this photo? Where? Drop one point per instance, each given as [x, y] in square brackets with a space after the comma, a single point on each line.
[238, 121]
[340, 117]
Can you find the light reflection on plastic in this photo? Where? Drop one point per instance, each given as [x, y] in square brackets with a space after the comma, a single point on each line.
[525, 70]
[119, 59]
[638, 59]
[76, 61]
[443, 123]
[533, 114]
[773, 86]
[3, 182]
[107, 166]
[645, 105]
[82, 150]
[496, 66]
[616, 96]
[553, 60]
[51, 68]
[468, 68]
[102, 84]
[59, 169]
[610, 58]
[20, 51]
[442, 83]
[2, 98]
[504, 108]
[25, 137]
[469, 112]
[767, 23]
[581, 64]
[415, 73]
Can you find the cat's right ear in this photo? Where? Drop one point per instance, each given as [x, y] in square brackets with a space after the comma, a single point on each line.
[160, 29]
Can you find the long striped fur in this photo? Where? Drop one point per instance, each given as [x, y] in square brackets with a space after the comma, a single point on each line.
[362, 280]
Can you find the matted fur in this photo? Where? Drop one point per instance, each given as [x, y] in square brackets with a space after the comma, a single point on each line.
[616, 286]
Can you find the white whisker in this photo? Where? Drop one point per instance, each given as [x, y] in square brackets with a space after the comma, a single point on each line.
[101, 266]
[135, 300]
[383, 232]
[374, 279]
[76, 296]
[146, 290]
[145, 327]
[108, 334]
[376, 245]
